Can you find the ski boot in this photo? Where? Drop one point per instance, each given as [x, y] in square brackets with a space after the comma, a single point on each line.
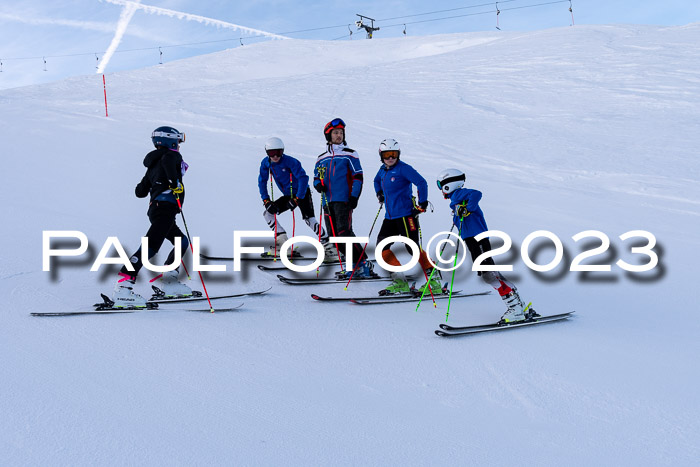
[529, 312]
[275, 250]
[515, 312]
[398, 286]
[330, 253]
[173, 288]
[365, 270]
[435, 284]
[124, 295]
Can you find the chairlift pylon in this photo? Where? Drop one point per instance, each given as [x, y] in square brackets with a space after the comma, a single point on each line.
[361, 25]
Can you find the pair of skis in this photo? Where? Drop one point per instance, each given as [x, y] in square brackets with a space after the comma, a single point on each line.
[109, 311]
[262, 257]
[107, 305]
[395, 298]
[445, 329]
[451, 331]
[330, 280]
[265, 257]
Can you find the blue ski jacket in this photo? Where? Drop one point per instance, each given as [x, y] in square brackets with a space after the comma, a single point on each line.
[340, 171]
[474, 223]
[281, 171]
[396, 183]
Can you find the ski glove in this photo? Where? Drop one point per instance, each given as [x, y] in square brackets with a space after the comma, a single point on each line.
[462, 211]
[178, 188]
[292, 203]
[421, 208]
[320, 187]
[270, 207]
[380, 197]
[353, 202]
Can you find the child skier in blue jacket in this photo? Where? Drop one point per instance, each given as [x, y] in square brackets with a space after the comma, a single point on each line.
[293, 183]
[393, 185]
[469, 220]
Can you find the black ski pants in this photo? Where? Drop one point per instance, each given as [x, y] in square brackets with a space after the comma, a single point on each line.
[404, 227]
[163, 227]
[305, 205]
[338, 217]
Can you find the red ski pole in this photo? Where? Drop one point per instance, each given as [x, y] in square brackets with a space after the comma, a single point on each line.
[272, 195]
[179, 204]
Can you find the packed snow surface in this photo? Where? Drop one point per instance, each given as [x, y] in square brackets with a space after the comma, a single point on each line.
[565, 130]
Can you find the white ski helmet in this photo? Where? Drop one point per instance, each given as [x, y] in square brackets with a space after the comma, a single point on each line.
[274, 143]
[389, 144]
[450, 180]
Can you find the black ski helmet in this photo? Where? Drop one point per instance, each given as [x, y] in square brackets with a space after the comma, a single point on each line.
[167, 137]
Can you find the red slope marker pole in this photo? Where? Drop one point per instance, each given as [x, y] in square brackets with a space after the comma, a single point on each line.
[104, 85]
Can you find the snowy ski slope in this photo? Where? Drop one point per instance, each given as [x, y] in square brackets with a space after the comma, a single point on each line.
[565, 130]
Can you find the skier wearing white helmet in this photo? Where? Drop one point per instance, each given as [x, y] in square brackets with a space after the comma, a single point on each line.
[293, 183]
[393, 185]
[469, 219]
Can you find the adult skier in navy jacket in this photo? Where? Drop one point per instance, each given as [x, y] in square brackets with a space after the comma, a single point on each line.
[293, 183]
[162, 181]
[393, 185]
[338, 177]
[469, 219]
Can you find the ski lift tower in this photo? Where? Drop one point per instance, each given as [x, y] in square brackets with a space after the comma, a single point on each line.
[361, 25]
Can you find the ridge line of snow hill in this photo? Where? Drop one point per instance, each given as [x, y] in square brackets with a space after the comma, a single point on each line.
[301, 57]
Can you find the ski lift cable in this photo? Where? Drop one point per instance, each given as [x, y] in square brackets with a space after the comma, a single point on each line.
[341, 37]
[445, 11]
[43, 57]
[475, 14]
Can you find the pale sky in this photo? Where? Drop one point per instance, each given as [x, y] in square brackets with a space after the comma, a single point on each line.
[73, 34]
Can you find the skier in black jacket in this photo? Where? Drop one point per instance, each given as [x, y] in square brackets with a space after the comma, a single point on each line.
[163, 181]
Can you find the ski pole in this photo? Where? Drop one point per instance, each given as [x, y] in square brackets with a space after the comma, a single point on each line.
[320, 229]
[461, 221]
[330, 221]
[445, 244]
[272, 196]
[427, 279]
[381, 205]
[449, 300]
[294, 221]
[182, 261]
[187, 231]
[420, 239]
[431, 274]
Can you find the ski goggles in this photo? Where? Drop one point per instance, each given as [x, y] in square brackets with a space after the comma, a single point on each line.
[390, 154]
[442, 183]
[333, 124]
[166, 134]
[274, 152]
